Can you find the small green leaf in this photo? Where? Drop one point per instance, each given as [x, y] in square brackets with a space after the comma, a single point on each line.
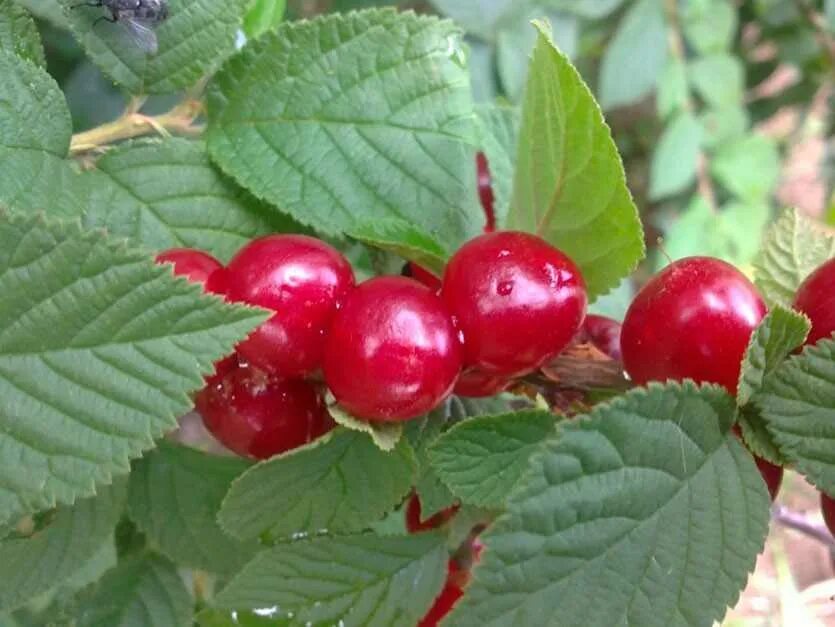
[646, 512]
[633, 60]
[748, 168]
[674, 160]
[709, 25]
[98, 351]
[590, 9]
[569, 185]
[385, 435]
[724, 125]
[48, 10]
[18, 33]
[382, 129]
[793, 247]
[263, 16]
[340, 483]
[757, 437]
[673, 90]
[482, 459]
[58, 554]
[719, 79]
[478, 17]
[360, 580]
[175, 496]
[498, 130]
[404, 239]
[142, 591]
[798, 406]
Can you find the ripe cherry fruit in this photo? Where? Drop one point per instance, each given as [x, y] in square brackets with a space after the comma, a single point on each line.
[603, 333]
[194, 265]
[771, 474]
[474, 383]
[413, 516]
[828, 511]
[392, 352]
[692, 320]
[259, 415]
[485, 192]
[517, 300]
[303, 280]
[816, 298]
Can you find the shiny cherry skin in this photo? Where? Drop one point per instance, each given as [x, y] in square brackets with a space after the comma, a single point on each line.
[415, 524]
[422, 275]
[303, 280]
[816, 298]
[603, 333]
[691, 320]
[194, 265]
[828, 511]
[392, 351]
[259, 415]
[474, 383]
[771, 474]
[517, 300]
[485, 192]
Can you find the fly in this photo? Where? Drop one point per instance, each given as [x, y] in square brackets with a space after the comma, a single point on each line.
[139, 17]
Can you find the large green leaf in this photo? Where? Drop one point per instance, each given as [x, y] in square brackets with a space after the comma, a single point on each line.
[175, 495]
[98, 351]
[498, 136]
[482, 459]
[193, 41]
[647, 512]
[346, 119]
[570, 186]
[793, 247]
[797, 404]
[165, 194]
[360, 581]
[341, 483]
[18, 33]
[675, 157]
[60, 553]
[404, 239]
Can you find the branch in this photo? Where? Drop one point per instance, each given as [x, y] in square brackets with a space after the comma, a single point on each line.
[799, 522]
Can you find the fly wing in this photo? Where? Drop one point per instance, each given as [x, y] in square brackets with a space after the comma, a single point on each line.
[142, 34]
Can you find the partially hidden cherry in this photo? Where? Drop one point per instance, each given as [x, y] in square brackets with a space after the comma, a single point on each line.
[816, 298]
[422, 275]
[448, 597]
[691, 320]
[603, 333]
[392, 351]
[259, 415]
[474, 383]
[517, 300]
[485, 192]
[414, 522]
[771, 474]
[828, 511]
[194, 265]
[303, 280]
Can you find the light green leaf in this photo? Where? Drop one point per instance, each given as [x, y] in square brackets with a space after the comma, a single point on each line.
[98, 352]
[434, 495]
[385, 435]
[175, 496]
[166, 194]
[633, 60]
[238, 618]
[793, 247]
[673, 90]
[709, 25]
[482, 459]
[498, 128]
[797, 404]
[591, 9]
[60, 553]
[720, 126]
[347, 119]
[263, 16]
[757, 437]
[676, 155]
[142, 591]
[18, 33]
[403, 239]
[719, 79]
[570, 186]
[748, 168]
[340, 483]
[362, 581]
[646, 512]
[193, 41]
[478, 17]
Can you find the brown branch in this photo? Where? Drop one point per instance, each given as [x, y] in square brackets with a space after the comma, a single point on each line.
[801, 523]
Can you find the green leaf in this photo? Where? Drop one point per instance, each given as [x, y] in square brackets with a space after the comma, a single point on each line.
[590, 9]
[385, 435]
[498, 130]
[482, 459]
[646, 512]
[340, 483]
[18, 33]
[723, 125]
[434, 495]
[193, 41]
[263, 16]
[60, 553]
[793, 247]
[348, 119]
[570, 186]
[797, 404]
[142, 591]
[238, 618]
[175, 496]
[676, 155]
[719, 79]
[360, 580]
[478, 17]
[780, 332]
[166, 194]
[98, 352]
[404, 239]
[757, 437]
[709, 25]
[673, 91]
[48, 10]
[748, 168]
[633, 60]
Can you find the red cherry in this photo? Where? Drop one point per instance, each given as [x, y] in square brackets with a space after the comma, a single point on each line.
[260, 415]
[195, 265]
[828, 511]
[413, 519]
[392, 352]
[772, 475]
[443, 605]
[474, 383]
[816, 298]
[421, 274]
[603, 333]
[303, 280]
[517, 300]
[485, 192]
[692, 320]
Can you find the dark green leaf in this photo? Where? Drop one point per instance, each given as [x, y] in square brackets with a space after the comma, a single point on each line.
[498, 137]
[18, 33]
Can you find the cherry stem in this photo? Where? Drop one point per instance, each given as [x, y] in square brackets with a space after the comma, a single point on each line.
[800, 522]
